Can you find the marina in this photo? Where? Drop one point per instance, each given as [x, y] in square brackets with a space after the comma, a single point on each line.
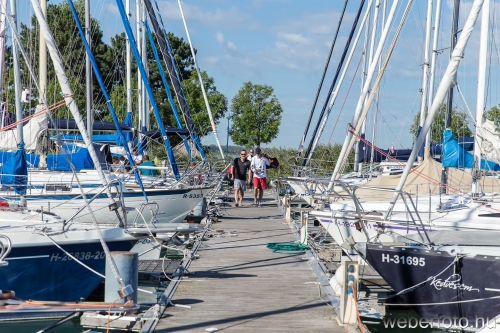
[121, 209]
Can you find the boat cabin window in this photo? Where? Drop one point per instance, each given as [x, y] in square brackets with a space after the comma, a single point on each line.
[57, 187]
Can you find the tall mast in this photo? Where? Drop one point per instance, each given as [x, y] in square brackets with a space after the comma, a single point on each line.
[433, 65]
[375, 115]
[301, 145]
[481, 85]
[363, 78]
[371, 71]
[17, 88]
[327, 107]
[376, 12]
[128, 64]
[42, 58]
[88, 74]
[214, 128]
[449, 103]
[446, 82]
[3, 26]
[17, 76]
[144, 54]
[140, 86]
[425, 68]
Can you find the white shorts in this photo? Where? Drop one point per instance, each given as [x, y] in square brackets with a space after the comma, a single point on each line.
[240, 184]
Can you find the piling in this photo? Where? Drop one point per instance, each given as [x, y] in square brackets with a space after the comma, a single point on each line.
[127, 264]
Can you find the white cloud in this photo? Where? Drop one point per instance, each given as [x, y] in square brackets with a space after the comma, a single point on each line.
[226, 45]
[294, 38]
[113, 9]
[227, 17]
[231, 46]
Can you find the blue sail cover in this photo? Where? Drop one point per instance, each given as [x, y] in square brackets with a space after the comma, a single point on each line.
[15, 172]
[455, 156]
[80, 159]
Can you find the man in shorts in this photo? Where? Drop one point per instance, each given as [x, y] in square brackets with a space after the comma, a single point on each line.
[249, 157]
[239, 172]
[259, 165]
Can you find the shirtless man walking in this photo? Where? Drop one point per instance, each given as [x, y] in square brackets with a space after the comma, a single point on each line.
[239, 171]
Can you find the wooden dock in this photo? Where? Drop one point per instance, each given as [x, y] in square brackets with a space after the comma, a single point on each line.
[238, 285]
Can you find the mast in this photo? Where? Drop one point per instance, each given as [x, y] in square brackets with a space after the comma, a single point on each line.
[343, 154]
[214, 128]
[140, 86]
[363, 78]
[368, 56]
[167, 89]
[302, 141]
[147, 85]
[42, 58]
[481, 85]
[3, 26]
[144, 55]
[66, 90]
[447, 80]
[128, 64]
[372, 155]
[88, 74]
[17, 91]
[327, 107]
[449, 103]
[433, 65]
[425, 68]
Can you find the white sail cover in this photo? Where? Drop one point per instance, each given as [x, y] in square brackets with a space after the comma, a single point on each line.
[32, 130]
[489, 141]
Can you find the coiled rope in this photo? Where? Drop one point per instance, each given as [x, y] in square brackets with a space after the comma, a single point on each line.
[287, 247]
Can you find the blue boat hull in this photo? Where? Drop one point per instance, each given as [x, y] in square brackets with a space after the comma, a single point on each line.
[47, 273]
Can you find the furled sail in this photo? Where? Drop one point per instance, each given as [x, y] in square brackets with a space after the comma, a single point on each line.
[489, 141]
[32, 130]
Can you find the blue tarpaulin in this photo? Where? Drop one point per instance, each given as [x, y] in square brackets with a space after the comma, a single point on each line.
[80, 159]
[15, 172]
[455, 156]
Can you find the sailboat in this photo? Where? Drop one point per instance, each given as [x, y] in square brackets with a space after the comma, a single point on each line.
[450, 274]
[51, 259]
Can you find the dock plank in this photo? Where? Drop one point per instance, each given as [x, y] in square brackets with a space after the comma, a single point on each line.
[239, 285]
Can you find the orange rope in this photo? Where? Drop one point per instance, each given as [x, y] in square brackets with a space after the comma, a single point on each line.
[36, 114]
[357, 310]
[432, 180]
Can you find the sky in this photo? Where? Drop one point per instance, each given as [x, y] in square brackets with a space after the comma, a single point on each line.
[285, 44]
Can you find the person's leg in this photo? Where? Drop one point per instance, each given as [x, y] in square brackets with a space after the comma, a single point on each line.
[255, 190]
[236, 196]
[242, 193]
[262, 188]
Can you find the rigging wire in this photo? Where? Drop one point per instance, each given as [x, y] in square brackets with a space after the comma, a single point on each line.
[301, 145]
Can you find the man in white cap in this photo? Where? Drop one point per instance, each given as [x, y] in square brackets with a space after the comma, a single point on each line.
[259, 165]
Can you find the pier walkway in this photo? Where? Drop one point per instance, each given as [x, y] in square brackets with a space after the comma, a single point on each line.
[238, 285]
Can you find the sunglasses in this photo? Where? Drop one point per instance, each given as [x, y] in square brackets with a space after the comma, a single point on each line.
[240, 154]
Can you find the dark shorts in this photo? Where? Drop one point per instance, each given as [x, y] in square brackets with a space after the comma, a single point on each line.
[259, 183]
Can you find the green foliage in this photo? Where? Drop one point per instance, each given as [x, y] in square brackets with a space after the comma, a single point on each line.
[256, 115]
[196, 102]
[459, 125]
[111, 60]
[325, 159]
[493, 114]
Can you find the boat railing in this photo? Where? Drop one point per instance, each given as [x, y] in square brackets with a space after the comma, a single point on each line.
[118, 202]
[5, 247]
[410, 209]
[153, 209]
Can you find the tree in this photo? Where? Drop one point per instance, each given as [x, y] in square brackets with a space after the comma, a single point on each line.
[111, 62]
[256, 115]
[459, 125]
[493, 114]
